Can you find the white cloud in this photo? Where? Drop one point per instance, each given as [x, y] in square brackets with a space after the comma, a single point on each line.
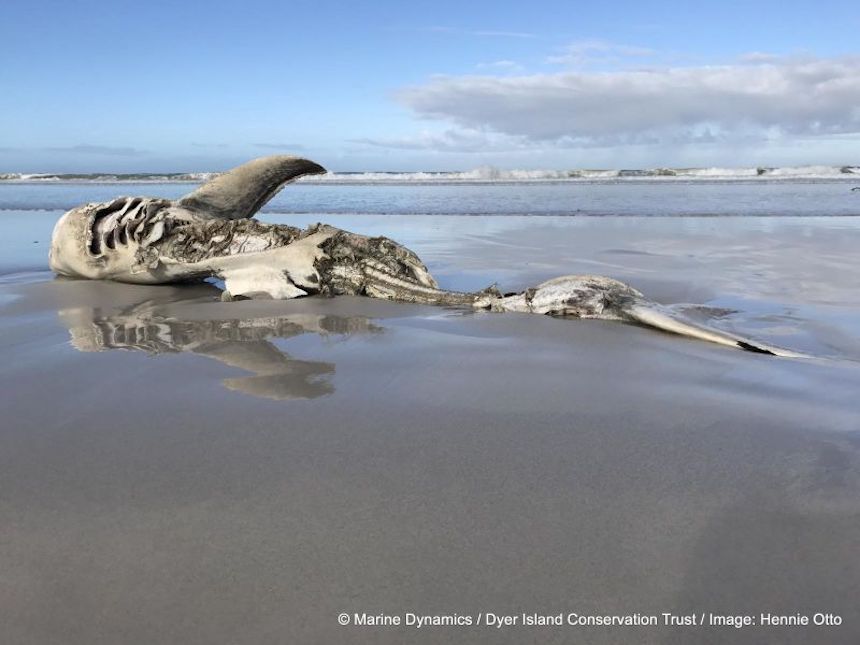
[508, 66]
[584, 53]
[760, 57]
[451, 140]
[766, 99]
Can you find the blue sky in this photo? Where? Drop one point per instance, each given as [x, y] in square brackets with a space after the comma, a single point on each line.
[157, 86]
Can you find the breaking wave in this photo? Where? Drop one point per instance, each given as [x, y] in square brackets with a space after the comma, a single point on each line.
[487, 174]
[125, 178]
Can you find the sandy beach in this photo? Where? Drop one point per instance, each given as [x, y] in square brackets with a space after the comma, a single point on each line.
[180, 470]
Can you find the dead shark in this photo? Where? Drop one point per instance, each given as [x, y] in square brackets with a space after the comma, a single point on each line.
[211, 233]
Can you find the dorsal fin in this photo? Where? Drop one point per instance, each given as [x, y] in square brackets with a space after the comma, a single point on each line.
[241, 192]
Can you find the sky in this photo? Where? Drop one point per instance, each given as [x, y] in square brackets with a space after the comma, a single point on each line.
[154, 86]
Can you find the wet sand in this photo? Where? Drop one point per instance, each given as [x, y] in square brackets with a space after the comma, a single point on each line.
[178, 470]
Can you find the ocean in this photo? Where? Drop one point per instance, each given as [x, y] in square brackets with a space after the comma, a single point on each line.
[784, 195]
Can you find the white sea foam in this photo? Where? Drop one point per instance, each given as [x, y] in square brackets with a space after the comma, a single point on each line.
[131, 178]
[489, 174]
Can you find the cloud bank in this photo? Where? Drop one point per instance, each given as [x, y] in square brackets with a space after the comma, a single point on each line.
[761, 96]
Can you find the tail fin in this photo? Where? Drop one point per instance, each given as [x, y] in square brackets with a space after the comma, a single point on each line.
[653, 315]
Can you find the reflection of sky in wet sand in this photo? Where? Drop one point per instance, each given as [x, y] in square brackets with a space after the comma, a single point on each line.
[244, 343]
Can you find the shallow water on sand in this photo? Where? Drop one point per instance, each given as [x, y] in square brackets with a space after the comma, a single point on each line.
[177, 469]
